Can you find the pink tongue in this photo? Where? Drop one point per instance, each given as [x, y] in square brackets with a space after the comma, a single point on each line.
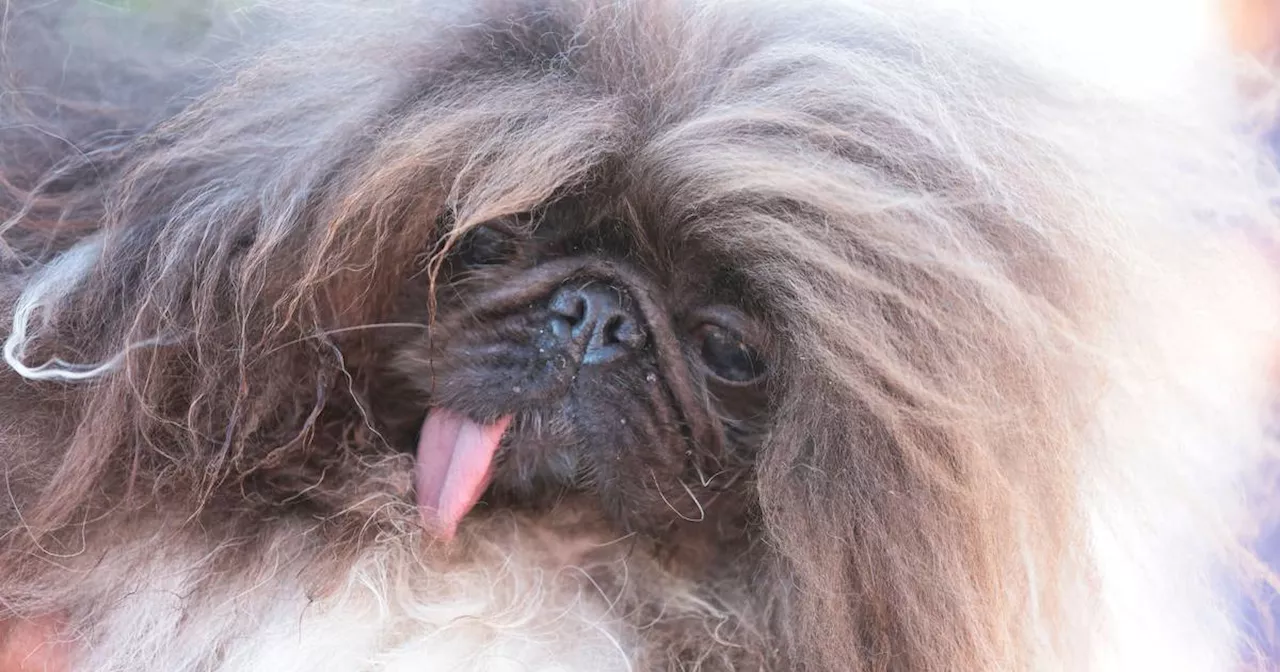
[455, 458]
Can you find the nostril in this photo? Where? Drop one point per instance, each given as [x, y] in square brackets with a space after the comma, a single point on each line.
[609, 330]
[621, 329]
[572, 306]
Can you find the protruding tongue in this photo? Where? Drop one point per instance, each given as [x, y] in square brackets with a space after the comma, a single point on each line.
[455, 461]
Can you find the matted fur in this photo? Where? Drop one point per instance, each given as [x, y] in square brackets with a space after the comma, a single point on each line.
[1021, 337]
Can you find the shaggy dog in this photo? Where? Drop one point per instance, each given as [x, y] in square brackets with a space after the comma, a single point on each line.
[618, 335]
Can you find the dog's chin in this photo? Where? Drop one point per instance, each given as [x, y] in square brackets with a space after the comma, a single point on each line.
[529, 460]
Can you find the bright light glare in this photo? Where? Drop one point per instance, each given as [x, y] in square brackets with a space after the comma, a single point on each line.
[1139, 46]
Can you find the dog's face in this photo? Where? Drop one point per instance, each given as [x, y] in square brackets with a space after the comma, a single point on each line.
[570, 353]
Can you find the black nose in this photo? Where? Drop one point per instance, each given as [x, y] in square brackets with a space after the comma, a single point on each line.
[597, 321]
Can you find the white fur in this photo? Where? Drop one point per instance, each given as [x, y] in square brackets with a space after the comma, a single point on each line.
[45, 291]
[389, 610]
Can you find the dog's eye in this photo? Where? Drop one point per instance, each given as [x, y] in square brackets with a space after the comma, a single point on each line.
[485, 246]
[727, 356]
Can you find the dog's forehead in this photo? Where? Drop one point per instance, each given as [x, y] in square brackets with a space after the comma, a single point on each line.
[683, 257]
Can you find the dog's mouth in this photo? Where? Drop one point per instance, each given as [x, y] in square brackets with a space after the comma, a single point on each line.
[454, 465]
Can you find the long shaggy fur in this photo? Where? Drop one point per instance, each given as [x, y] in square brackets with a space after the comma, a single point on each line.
[1021, 336]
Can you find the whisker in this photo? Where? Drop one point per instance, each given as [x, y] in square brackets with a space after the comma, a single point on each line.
[702, 514]
[343, 330]
[705, 480]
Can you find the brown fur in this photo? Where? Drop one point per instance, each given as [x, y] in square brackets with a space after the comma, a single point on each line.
[946, 247]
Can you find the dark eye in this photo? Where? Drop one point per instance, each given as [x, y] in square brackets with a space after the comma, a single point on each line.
[485, 246]
[727, 356]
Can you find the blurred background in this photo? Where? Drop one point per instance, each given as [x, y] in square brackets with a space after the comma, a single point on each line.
[1254, 25]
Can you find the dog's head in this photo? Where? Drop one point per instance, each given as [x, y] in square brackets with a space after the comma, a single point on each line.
[570, 350]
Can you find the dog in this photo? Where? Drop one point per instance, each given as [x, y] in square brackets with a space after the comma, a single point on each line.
[587, 335]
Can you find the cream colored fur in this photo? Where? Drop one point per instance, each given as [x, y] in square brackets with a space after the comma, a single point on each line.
[507, 606]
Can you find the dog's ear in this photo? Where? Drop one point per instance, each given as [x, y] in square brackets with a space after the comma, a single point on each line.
[919, 472]
[903, 532]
